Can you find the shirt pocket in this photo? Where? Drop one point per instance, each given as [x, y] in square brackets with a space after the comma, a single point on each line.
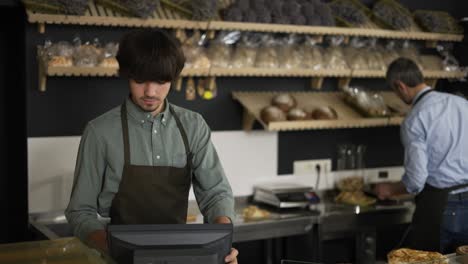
[179, 160]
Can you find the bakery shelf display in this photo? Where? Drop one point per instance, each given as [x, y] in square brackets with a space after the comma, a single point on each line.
[345, 76]
[316, 105]
[317, 75]
[97, 15]
[46, 70]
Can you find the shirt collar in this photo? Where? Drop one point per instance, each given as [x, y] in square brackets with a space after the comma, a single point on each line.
[420, 93]
[142, 116]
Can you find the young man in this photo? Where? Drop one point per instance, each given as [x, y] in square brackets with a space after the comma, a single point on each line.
[435, 138]
[136, 163]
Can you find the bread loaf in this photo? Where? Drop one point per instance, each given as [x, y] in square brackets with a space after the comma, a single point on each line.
[284, 101]
[297, 114]
[272, 114]
[324, 112]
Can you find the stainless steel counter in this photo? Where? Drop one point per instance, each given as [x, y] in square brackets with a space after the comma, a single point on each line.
[331, 219]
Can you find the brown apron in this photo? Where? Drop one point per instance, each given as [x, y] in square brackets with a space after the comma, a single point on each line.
[152, 194]
[424, 230]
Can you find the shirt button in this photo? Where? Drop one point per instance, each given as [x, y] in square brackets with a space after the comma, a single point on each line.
[155, 131]
[148, 116]
[158, 157]
[142, 121]
[163, 119]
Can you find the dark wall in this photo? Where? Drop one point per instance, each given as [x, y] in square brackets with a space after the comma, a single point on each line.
[13, 156]
[70, 102]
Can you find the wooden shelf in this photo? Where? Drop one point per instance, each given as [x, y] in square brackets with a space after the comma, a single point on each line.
[166, 18]
[276, 72]
[345, 75]
[364, 32]
[428, 74]
[81, 71]
[45, 71]
[253, 102]
[97, 15]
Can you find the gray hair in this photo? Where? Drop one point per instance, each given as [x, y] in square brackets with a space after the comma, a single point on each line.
[405, 71]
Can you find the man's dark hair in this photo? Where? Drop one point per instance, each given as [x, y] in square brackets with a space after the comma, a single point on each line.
[405, 71]
[150, 55]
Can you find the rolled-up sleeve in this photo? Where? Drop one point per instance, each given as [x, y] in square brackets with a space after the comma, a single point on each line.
[210, 184]
[413, 138]
[82, 210]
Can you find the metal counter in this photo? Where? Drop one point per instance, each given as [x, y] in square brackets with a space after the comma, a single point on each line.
[333, 219]
[322, 222]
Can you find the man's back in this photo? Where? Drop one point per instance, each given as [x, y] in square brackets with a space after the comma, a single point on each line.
[441, 121]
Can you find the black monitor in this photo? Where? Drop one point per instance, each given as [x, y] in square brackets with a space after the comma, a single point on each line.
[175, 243]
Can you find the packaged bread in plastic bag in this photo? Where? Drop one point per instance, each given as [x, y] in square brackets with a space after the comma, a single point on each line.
[312, 54]
[289, 52]
[368, 103]
[57, 54]
[355, 54]
[246, 50]
[374, 56]
[220, 50]
[334, 57]
[86, 54]
[108, 55]
[267, 55]
[194, 51]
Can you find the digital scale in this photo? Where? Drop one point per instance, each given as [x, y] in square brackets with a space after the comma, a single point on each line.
[284, 195]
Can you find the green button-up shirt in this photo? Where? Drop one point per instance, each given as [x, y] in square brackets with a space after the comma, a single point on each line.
[154, 141]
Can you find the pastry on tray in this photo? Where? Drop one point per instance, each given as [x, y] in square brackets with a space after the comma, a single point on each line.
[252, 212]
[355, 198]
[406, 255]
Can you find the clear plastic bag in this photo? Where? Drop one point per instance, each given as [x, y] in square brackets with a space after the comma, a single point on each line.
[334, 56]
[267, 56]
[437, 21]
[409, 50]
[246, 50]
[194, 52]
[57, 54]
[375, 59]
[389, 53]
[289, 54]
[220, 50]
[312, 54]
[449, 62]
[350, 13]
[391, 14]
[356, 55]
[369, 104]
[108, 55]
[87, 54]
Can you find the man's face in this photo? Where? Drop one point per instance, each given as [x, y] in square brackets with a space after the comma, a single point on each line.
[149, 95]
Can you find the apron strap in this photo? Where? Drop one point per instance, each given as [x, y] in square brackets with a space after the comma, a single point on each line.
[123, 114]
[184, 136]
[422, 96]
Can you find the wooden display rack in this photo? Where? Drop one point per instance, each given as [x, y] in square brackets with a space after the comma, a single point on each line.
[317, 76]
[254, 102]
[166, 18]
[97, 15]
[45, 71]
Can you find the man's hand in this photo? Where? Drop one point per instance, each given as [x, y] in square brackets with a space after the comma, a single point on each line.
[388, 189]
[232, 257]
[222, 220]
[98, 239]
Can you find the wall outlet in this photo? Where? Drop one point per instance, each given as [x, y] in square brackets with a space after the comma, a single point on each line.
[309, 167]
